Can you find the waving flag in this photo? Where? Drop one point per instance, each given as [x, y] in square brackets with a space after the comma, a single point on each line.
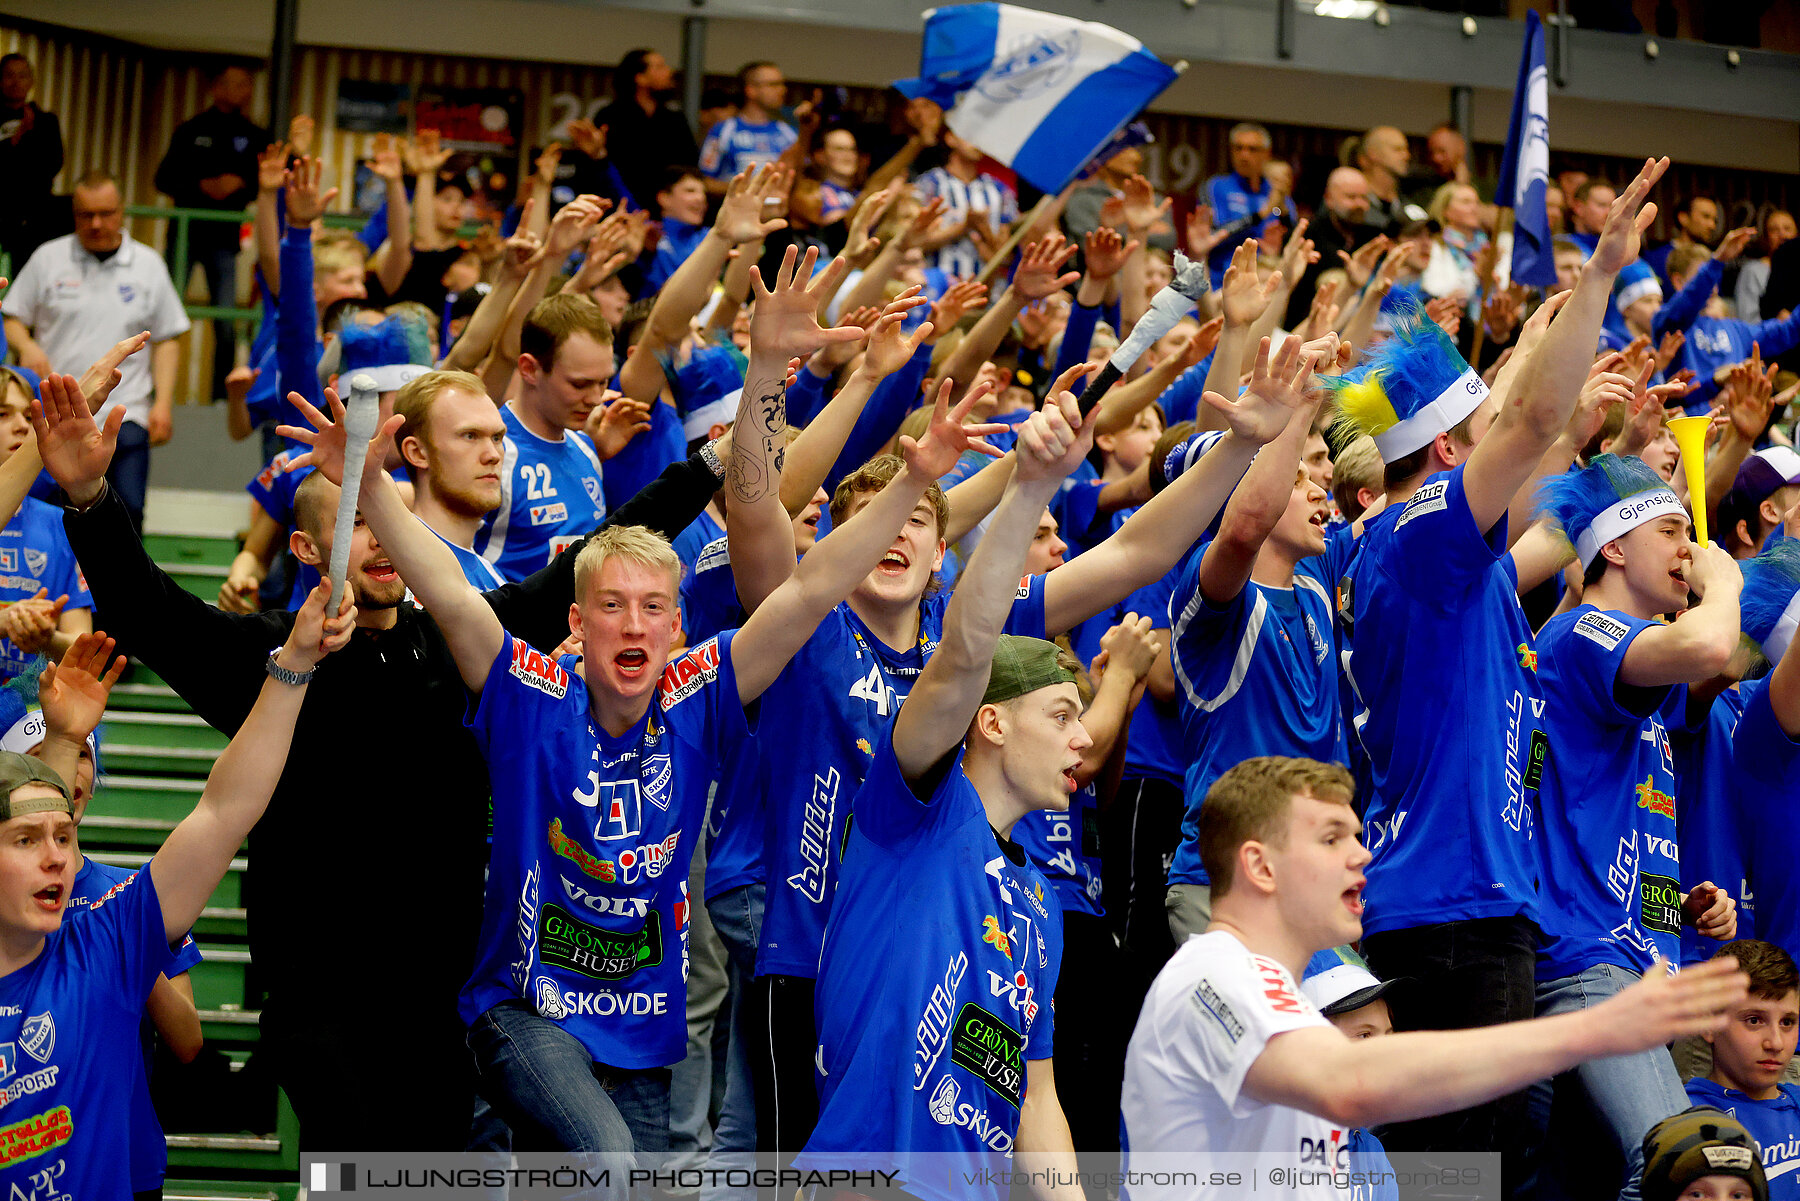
[1039, 93]
[1525, 169]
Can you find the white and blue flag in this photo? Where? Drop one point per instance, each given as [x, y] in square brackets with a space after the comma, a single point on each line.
[1039, 93]
[1525, 168]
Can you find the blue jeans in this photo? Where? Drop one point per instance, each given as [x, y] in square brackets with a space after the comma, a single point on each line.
[1627, 1093]
[548, 1089]
[737, 916]
[129, 473]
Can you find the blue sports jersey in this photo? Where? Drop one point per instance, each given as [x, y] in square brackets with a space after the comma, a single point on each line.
[34, 554]
[70, 1054]
[586, 912]
[1153, 740]
[1441, 659]
[709, 599]
[962, 259]
[1255, 676]
[964, 982]
[273, 489]
[1710, 820]
[1765, 765]
[149, 1152]
[843, 689]
[551, 497]
[734, 144]
[1065, 848]
[1774, 1124]
[1609, 843]
[1232, 200]
[482, 575]
[678, 241]
[1715, 342]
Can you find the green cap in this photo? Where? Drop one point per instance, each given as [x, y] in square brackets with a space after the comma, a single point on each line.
[1696, 1143]
[18, 770]
[1023, 665]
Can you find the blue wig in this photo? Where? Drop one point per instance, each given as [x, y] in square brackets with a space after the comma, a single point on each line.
[1771, 580]
[1404, 374]
[1571, 501]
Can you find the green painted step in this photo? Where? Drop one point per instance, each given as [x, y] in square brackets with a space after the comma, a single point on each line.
[228, 1190]
[238, 1154]
[170, 551]
[151, 798]
[219, 982]
[170, 730]
[157, 697]
[226, 902]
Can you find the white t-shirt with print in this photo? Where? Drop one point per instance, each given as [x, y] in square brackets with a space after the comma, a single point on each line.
[1212, 1010]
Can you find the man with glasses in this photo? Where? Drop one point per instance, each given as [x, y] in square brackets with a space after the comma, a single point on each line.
[82, 293]
[756, 135]
[1243, 191]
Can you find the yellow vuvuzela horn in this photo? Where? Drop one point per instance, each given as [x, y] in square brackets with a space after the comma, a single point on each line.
[1690, 435]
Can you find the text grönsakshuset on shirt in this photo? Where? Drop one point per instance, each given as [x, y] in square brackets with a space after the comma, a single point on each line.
[68, 1033]
[844, 689]
[927, 1022]
[1213, 1009]
[1442, 662]
[586, 911]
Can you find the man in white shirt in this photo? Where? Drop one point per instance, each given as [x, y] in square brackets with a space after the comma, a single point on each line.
[82, 293]
[1228, 1056]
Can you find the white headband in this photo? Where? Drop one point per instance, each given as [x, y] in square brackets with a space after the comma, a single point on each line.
[1462, 397]
[1627, 515]
[29, 731]
[1635, 291]
[722, 411]
[1776, 644]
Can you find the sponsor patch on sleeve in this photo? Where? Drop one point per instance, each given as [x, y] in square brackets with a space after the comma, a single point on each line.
[690, 673]
[1432, 498]
[537, 670]
[1024, 587]
[716, 553]
[1599, 628]
[1206, 1000]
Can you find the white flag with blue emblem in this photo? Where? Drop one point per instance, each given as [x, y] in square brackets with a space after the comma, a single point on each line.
[1039, 93]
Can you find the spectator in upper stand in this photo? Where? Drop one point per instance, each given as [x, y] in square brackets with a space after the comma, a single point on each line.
[1777, 226]
[1447, 161]
[681, 203]
[211, 164]
[824, 196]
[756, 134]
[1384, 158]
[1752, 1060]
[1339, 226]
[1244, 191]
[978, 208]
[1555, 203]
[1082, 216]
[1587, 212]
[82, 293]
[643, 133]
[31, 153]
[1715, 341]
[1697, 223]
[1456, 207]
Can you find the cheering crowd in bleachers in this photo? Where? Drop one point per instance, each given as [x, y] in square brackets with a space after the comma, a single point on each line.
[751, 624]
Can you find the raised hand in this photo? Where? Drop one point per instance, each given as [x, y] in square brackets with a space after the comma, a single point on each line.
[1661, 1008]
[1749, 395]
[923, 222]
[615, 422]
[384, 159]
[860, 244]
[300, 133]
[30, 624]
[785, 324]
[1322, 316]
[98, 381]
[328, 440]
[313, 636]
[1733, 244]
[1036, 321]
[1040, 266]
[1446, 313]
[946, 438]
[1298, 254]
[589, 138]
[1201, 236]
[1105, 253]
[1630, 215]
[75, 451]
[1500, 311]
[1245, 296]
[519, 253]
[549, 160]
[1276, 390]
[1053, 440]
[1598, 395]
[271, 167]
[1669, 347]
[304, 204]
[1130, 646]
[73, 693]
[890, 347]
[1201, 344]
[428, 152]
[1142, 211]
[1361, 265]
[1644, 414]
[572, 224]
[740, 218]
[959, 299]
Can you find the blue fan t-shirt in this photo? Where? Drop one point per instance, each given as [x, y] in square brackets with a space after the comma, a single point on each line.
[1256, 676]
[1710, 819]
[1441, 659]
[1607, 806]
[926, 1024]
[1766, 780]
[1774, 1124]
[586, 911]
[34, 554]
[1065, 848]
[550, 498]
[149, 1153]
[843, 690]
[70, 1054]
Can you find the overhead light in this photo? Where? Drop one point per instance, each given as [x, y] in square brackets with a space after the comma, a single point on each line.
[1350, 10]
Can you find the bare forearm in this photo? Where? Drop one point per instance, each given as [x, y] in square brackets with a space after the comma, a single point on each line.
[810, 458]
[762, 540]
[687, 290]
[506, 347]
[267, 223]
[1120, 407]
[17, 475]
[478, 336]
[171, 1009]
[424, 232]
[984, 339]
[165, 359]
[874, 279]
[1551, 382]
[736, 289]
[975, 497]
[1104, 720]
[1721, 472]
[399, 257]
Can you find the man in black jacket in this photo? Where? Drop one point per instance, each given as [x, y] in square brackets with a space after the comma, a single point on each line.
[211, 164]
[366, 880]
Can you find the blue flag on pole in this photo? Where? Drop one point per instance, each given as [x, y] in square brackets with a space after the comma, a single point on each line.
[1039, 93]
[1525, 168]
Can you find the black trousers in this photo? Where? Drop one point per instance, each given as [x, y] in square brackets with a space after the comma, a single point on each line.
[1094, 1019]
[1479, 972]
[1138, 835]
[784, 1039]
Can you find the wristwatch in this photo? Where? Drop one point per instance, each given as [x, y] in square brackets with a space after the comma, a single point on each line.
[283, 675]
[710, 456]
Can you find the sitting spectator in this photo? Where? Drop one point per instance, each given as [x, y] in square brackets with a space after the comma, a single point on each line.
[1752, 1062]
[1702, 1154]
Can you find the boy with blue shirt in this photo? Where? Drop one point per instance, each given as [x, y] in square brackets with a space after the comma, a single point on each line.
[991, 730]
[1255, 644]
[1714, 341]
[35, 559]
[1615, 680]
[1750, 1058]
[1440, 661]
[72, 993]
[575, 1003]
